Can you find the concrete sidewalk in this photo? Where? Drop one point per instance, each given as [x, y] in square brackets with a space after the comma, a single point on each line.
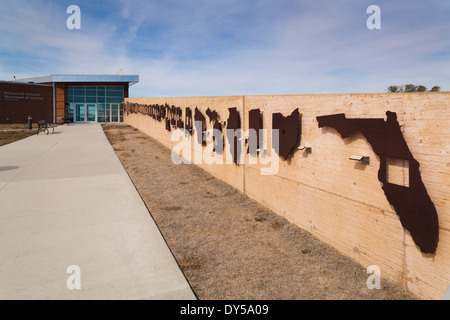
[66, 200]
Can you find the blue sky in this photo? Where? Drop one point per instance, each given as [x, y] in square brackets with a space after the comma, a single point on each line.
[232, 47]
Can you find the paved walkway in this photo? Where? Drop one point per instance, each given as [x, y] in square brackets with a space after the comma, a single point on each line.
[66, 200]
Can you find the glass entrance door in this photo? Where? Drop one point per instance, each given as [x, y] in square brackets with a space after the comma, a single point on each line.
[90, 112]
[80, 112]
[85, 112]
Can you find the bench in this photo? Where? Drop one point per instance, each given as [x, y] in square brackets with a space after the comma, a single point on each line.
[64, 120]
[45, 126]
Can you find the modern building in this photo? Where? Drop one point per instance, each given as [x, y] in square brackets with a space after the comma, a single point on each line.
[87, 98]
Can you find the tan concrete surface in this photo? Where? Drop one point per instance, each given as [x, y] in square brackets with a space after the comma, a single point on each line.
[66, 200]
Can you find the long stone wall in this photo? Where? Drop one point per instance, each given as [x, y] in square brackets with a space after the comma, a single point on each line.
[373, 180]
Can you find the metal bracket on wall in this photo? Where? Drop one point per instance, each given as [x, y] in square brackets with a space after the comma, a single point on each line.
[363, 159]
[307, 149]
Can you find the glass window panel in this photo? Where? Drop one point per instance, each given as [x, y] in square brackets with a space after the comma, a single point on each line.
[91, 93]
[90, 112]
[69, 112]
[69, 99]
[91, 88]
[70, 91]
[101, 107]
[80, 112]
[101, 91]
[101, 99]
[114, 113]
[114, 88]
[101, 115]
[79, 99]
[91, 99]
[79, 91]
[116, 94]
[114, 100]
[108, 112]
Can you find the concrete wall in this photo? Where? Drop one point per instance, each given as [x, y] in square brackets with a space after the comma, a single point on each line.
[338, 200]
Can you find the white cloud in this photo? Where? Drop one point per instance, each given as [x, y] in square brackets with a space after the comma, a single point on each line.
[227, 47]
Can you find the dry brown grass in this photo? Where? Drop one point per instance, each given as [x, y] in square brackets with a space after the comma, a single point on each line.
[228, 246]
[12, 132]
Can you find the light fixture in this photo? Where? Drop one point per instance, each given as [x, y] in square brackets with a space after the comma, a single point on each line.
[308, 149]
[363, 159]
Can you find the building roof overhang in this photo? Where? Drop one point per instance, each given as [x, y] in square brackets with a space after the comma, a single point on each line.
[54, 78]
